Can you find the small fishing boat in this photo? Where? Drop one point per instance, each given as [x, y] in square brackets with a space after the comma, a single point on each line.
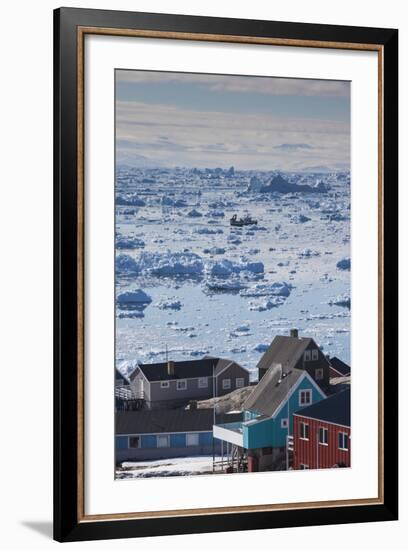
[235, 222]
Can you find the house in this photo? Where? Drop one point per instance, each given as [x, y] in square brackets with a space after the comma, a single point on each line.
[293, 352]
[175, 383]
[338, 368]
[124, 398]
[321, 434]
[165, 433]
[268, 417]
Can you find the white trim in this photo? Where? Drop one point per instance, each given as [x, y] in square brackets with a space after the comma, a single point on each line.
[162, 382]
[239, 386]
[326, 430]
[314, 352]
[309, 352]
[201, 380]
[310, 401]
[140, 441]
[143, 374]
[179, 381]
[308, 426]
[284, 423]
[348, 439]
[300, 415]
[162, 446]
[320, 369]
[165, 433]
[226, 387]
[293, 389]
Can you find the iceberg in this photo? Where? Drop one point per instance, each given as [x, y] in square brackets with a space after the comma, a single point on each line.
[344, 264]
[341, 300]
[137, 296]
[170, 303]
[129, 242]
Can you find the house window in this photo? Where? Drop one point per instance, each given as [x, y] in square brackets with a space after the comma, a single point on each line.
[191, 440]
[307, 355]
[239, 382]
[323, 436]
[284, 423]
[304, 430]
[165, 384]
[134, 442]
[303, 466]
[315, 354]
[203, 382]
[163, 441]
[343, 441]
[319, 374]
[181, 384]
[226, 384]
[305, 397]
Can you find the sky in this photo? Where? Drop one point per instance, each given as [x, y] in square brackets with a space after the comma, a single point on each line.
[166, 119]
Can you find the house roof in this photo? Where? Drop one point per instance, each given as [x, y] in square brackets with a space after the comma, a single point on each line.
[184, 369]
[334, 409]
[169, 421]
[120, 377]
[284, 350]
[342, 368]
[272, 390]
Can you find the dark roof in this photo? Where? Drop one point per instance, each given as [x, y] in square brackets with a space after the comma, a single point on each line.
[184, 369]
[334, 409]
[270, 392]
[340, 366]
[169, 420]
[284, 350]
[119, 376]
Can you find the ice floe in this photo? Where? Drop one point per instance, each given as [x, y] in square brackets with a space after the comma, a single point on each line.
[344, 264]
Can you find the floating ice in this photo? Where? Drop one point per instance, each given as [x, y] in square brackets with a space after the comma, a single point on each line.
[269, 303]
[131, 314]
[341, 300]
[129, 242]
[169, 303]
[266, 289]
[344, 265]
[194, 214]
[168, 201]
[126, 265]
[137, 296]
[261, 348]
[208, 231]
[225, 268]
[300, 218]
[129, 200]
[308, 253]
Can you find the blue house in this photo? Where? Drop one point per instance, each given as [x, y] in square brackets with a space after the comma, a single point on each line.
[263, 434]
[166, 433]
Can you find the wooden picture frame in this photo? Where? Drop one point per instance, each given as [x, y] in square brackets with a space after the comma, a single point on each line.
[70, 27]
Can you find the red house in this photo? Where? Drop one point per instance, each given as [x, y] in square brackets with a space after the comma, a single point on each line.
[321, 434]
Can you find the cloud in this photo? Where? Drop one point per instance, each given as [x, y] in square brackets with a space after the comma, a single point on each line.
[268, 85]
[170, 136]
[293, 146]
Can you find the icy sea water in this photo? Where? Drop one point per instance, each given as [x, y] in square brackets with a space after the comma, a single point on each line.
[299, 239]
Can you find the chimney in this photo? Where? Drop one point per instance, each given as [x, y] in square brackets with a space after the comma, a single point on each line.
[294, 333]
[170, 368]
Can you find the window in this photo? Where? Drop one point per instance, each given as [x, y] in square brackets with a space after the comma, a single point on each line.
[165, 384]
[315, 354]
[304, 466]
[319, 374]
[307, 355]
[203, 382]
[343, 441]
[181, 384]
[134, 442]
[284, 423]
[239, 382]
[323, 436]
[305, 397]
[191, 440]
[226, 384]
[163, 441]
[304, 430]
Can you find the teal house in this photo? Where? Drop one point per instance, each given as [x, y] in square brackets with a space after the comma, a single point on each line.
[267, 423]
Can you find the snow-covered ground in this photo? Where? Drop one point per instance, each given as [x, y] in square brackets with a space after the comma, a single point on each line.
[188, 281]
[166, 467]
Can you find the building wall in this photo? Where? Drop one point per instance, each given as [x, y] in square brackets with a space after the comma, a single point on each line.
[311, 366]
[148, 449]
[233, 372]
[134, 384]
[271, 433]
[315, 455]
[172, 394]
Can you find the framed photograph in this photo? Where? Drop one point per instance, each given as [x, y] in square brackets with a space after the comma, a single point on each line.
[225, 274]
